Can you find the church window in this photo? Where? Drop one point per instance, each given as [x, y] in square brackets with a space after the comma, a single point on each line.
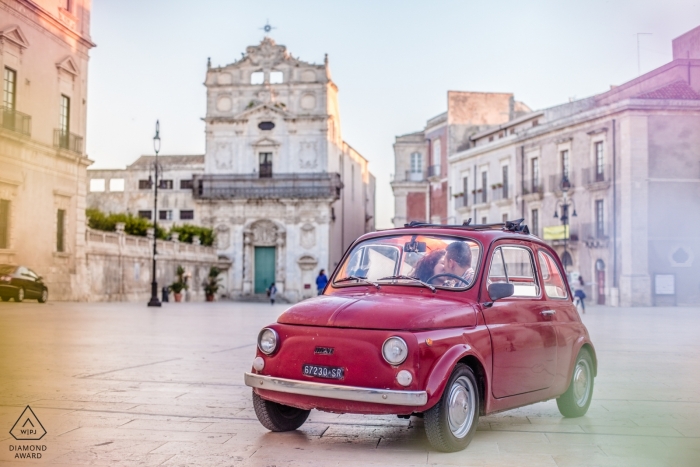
[257, 77]
[9, 95]
[60, 230]
[265, 164]
[186, 214]
[437, 150]
[276, 77]
[266, 126]
[416, 162]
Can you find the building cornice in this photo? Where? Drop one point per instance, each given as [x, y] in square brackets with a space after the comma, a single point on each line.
[53, 21]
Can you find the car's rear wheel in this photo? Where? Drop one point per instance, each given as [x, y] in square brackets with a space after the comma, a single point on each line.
[44, 296]
[19, 295]
[278, 417]
[451, 423]
[576, 400]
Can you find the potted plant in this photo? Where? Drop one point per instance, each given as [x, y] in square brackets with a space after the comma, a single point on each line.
[179, 285]
[211, 284]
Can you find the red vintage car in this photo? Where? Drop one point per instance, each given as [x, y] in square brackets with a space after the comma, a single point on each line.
[442, 322]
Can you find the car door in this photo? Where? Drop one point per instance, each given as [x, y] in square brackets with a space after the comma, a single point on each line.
[523, 339]
[562, 312]
[29, 283]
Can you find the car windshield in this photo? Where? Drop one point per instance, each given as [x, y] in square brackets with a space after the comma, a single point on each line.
[7, 268]
[419, 260]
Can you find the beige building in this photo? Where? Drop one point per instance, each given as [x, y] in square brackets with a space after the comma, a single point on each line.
[44, 47]
[626, 162]
[131, 191]
[420, 182]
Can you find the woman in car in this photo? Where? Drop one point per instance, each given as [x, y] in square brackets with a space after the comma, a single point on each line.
[429, 265]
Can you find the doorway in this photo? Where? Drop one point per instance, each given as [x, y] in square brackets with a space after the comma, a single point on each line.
[264, 268]
[600, 281]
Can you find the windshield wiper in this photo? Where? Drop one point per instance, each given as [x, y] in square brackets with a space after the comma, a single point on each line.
[359, 279]
[410, 279]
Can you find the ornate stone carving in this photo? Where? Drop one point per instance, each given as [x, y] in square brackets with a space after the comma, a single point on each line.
[308, 236]
[307, 263]
[223, 237]
[264, 233]
[308, 155]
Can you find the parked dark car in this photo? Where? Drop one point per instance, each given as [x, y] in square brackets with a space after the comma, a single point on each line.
[20, 282]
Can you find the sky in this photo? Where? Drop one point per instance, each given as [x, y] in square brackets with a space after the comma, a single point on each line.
[393, 62]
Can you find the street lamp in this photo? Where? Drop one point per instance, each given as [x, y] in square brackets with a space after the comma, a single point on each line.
[565, 204]
[154, 283]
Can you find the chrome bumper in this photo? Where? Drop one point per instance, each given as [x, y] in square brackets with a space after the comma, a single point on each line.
[334, 391]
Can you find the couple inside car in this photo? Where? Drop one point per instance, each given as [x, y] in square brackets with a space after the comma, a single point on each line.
[452, 266]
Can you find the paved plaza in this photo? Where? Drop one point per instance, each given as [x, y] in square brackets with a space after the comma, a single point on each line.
[122, 384]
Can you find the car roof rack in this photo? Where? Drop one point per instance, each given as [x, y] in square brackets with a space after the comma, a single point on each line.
[515, 226]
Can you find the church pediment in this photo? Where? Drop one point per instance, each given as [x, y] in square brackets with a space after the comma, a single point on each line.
[68, 65]
[15, 35]
[266, 55]
[263, 109]
[266, 142]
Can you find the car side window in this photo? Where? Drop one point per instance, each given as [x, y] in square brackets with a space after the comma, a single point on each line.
[497, 271]
[554, 285]
[520, 271]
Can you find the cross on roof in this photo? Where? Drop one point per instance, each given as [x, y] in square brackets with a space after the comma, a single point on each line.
[267, 28]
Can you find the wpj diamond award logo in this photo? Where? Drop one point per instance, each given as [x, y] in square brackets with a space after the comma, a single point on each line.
[28, 427]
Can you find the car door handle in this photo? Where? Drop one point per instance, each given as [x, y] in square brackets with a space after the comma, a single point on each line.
[547, 313]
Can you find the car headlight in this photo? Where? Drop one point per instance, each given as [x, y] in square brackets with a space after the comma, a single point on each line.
[267, 341]
[395, 350]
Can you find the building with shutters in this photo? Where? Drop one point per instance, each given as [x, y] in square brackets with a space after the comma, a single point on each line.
[44, 48]
[627, 164]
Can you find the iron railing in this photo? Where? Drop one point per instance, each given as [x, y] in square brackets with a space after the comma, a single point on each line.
[556, 181]
[434, 171]
[502, 192]
[595, 230]
[69, 141]
[279, 185]
[593, 175]
[15, 121]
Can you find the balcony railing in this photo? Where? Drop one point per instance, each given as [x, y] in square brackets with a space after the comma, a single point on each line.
[69, 141]
[15, 121]
[410, 176]
[593, 175]
[555, 182]
[502, 192]
[532, 187]
[434, 171]
[462, 201]
[594, 230]
[280, 185]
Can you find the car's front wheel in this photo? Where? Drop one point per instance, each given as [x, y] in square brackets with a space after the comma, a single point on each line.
[44, 296]
[576, 400]
[19, 295]
[451, 423]
[5, 298]
[278, 417]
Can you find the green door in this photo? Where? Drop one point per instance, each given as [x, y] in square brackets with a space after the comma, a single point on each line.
[264, 267]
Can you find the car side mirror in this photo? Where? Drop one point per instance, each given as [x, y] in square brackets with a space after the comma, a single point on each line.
[501, 290]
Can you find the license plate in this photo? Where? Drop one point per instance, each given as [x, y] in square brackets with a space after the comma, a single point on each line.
[321, 371]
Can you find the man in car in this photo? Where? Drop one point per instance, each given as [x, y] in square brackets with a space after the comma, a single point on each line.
[458, 261]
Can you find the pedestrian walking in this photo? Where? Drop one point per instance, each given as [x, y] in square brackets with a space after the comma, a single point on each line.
[580, 295]
[272, 293]
[321, 281]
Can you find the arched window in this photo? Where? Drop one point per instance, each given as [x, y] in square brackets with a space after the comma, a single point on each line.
[416, 162]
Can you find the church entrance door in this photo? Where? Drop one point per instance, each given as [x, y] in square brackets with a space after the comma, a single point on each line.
[264, 267]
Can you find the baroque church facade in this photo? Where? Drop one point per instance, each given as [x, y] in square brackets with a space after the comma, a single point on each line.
[283, 191]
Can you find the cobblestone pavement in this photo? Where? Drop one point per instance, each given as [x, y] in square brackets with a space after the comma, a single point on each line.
[121, 385]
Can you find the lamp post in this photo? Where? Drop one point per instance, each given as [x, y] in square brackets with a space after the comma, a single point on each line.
[565, 204]
[154, 283]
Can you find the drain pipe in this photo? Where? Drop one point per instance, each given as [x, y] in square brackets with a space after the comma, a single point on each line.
[522, 181]
[614, 154]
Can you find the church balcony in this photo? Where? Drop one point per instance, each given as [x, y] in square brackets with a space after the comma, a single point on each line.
[279, 185]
